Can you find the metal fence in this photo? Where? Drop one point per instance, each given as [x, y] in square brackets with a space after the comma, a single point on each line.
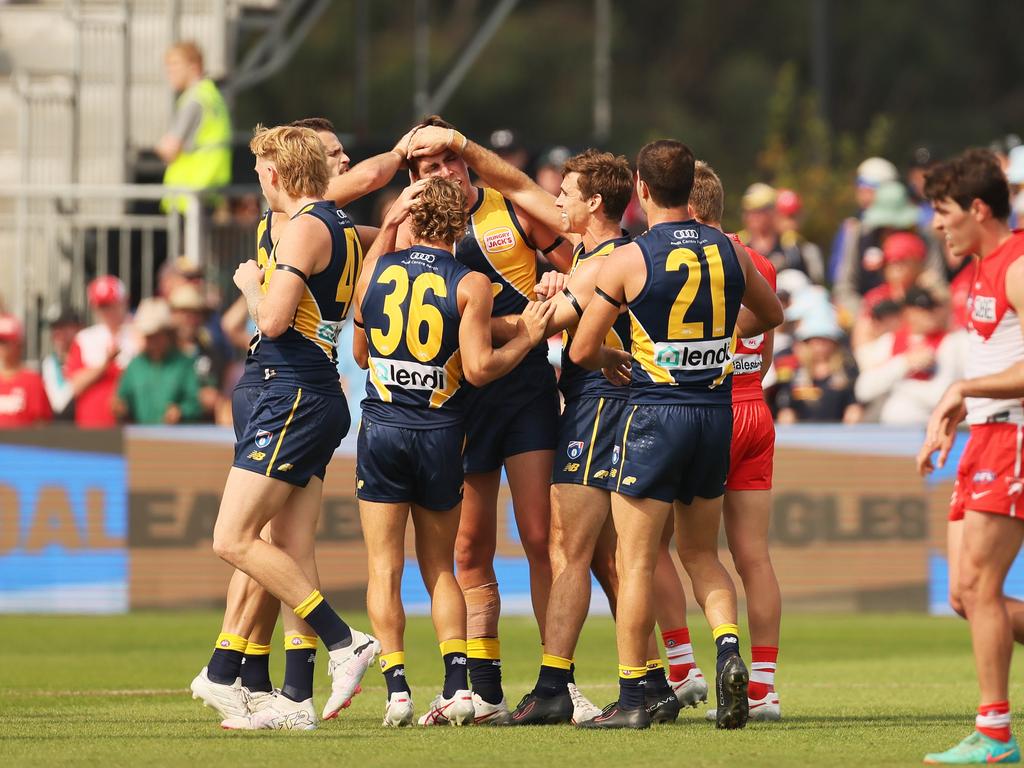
[54, 239]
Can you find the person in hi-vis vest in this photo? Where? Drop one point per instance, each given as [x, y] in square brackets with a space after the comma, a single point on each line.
[197, 146]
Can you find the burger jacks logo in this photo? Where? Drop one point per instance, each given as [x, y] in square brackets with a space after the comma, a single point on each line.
[692, 355]
[408, 375]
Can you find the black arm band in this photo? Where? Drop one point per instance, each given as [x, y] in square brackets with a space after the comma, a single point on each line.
[357, 324]
[614, 302]
[572, 300]
[293, 270]
[550, 248]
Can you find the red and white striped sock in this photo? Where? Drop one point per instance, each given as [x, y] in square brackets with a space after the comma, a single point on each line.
[762, 670]
[993, 720]
[679, 652]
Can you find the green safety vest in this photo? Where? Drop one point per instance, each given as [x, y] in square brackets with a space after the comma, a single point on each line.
[208, 163]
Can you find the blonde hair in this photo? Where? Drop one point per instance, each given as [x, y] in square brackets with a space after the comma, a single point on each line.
[298, 154]
[189, 51]
[439, 213]
[707, 198]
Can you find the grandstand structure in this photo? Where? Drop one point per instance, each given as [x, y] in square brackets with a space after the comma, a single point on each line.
[83, 91]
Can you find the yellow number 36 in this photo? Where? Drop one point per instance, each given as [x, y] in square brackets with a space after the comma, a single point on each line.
[426, 324]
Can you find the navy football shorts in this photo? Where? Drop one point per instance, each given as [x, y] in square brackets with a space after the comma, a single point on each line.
[292, 433]
[420, 466]
[588, 430]
[670, 452]
[516, 414]
[242, 401]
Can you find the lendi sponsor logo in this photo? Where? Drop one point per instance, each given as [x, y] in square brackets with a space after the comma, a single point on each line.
[500, 239]
[401, 373]
[746, 363]
[691, 355]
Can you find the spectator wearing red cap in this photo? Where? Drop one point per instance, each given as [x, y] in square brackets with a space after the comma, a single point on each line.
[800, 253]
[903, 255]
[23, 400]
[100, 353]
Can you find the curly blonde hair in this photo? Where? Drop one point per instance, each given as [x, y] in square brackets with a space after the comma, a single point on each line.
[297, 154]
[439, 213]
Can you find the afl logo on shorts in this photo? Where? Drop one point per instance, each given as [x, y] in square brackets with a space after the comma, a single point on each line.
[263, 438]
[575, 449]
[615, 455]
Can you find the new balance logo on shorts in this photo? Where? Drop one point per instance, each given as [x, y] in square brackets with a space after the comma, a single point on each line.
[400, 373]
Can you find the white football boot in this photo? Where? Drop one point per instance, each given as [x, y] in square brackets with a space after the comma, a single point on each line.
[228, 700]
[692, 689]
[279, 714]
[346, 667]
[766, 710]
[398, 712]
[486, 713]
[256, 700]
[458, 710]
[583, 709]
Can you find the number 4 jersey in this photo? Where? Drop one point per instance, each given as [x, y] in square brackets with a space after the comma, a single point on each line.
[682, 320]
[411, 320]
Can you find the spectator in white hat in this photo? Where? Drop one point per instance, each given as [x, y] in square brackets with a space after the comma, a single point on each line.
[871, 173]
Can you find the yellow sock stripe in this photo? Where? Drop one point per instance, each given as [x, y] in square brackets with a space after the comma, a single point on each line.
[293, 641]
[484, 648]
[453, 646]
[557, 662]
[725, 629]
[256, 649]
[653, 664]
[303, 609]
[593, 439]
[228, 642]
[625, 437]
[631, 673]
[284, 430]
[389, 660]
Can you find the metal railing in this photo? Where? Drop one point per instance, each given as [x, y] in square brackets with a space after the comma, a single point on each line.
[54, 239]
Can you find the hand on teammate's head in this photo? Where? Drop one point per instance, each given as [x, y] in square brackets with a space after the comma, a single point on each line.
[399, 209]
[429, 140]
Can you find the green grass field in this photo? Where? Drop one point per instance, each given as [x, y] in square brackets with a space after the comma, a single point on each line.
[860, 690]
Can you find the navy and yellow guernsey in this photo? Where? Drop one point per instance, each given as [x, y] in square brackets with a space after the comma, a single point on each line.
[496, 245]
[306, 353]
[579, 382]
[682, 321]
[252, 374]
[411, 320]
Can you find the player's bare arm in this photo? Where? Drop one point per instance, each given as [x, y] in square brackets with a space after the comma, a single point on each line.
[758, 297]
[622, 273]
[480, 361]
[306, 248]
[367, 176]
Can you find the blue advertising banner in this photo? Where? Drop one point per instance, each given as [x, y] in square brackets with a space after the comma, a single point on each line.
[63, 528]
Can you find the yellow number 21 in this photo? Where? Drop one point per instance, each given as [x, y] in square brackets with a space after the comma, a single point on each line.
[678, 327]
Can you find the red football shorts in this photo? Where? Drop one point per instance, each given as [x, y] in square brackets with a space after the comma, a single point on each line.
[988, 478]
[753, 447]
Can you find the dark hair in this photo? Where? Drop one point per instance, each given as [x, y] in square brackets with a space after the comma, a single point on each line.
[434, 120]
[604, 174]
[314, 124]
[666, 166]
[974, 175]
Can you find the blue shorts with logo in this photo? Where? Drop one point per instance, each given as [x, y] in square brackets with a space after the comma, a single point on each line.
[588, 430]
[420, 466]
[670, 452]
[516, 414]
[292, 432]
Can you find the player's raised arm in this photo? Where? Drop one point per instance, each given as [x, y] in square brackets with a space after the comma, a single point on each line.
[481, 363]
[495, 172]
[368, 176]
[765, 309]
[609, 298]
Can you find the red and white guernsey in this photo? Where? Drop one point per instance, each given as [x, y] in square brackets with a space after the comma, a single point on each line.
[746, 359]
[994, 340]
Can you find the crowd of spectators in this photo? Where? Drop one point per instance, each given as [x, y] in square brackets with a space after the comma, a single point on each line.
[874, 326]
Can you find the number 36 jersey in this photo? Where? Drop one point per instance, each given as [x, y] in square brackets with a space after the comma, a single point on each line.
[682, 321]
[411, 320]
